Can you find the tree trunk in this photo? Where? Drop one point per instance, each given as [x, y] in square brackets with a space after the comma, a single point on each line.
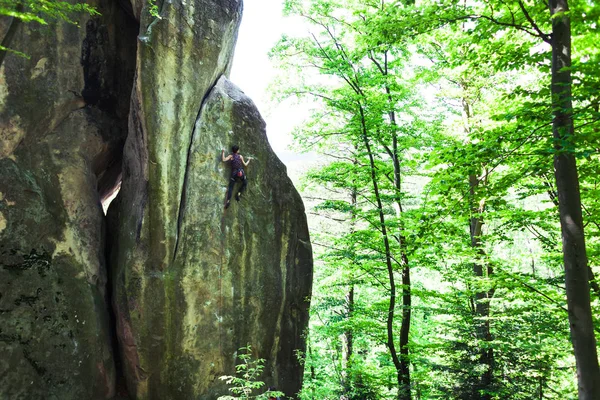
[569, 206]
[482, 298]
[348, 343]
[403, 389]
[401, 238]
[481, 303]
[348, 333]
[406, 295]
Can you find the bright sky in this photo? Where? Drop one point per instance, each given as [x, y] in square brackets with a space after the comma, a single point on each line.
[262, 26]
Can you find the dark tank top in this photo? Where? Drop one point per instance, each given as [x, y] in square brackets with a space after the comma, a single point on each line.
[236, 162]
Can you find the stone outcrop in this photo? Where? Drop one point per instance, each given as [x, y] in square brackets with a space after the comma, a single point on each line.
[157, 299]
[62, 131]
[238, 277]
[258, 251]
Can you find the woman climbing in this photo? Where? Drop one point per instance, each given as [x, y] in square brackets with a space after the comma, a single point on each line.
[237, 172]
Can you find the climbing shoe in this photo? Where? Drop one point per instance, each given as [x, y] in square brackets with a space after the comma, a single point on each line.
[238, 196]
[227, 204]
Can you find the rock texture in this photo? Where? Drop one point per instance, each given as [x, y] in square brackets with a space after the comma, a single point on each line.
[143, 99]
[180, 56]
[61, 128]
[246, 271]
[238, 277]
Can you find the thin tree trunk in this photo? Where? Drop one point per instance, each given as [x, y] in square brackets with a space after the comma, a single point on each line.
[401, 238]
[569, 206]
[350, 296]
[481, 303]
[405, 328]
[348, 342]
[482, 298]
[348, 333]
[406, 295]
[402, 392]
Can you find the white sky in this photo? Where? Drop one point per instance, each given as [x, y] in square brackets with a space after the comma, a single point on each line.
[262, 26]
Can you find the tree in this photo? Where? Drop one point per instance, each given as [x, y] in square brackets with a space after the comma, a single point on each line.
[367, 99]
[521, 17]
[569, 204]
[460, 180]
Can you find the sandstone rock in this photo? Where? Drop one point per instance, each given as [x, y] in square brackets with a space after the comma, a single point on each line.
[180, 57]
[179, 326]
[58, 142]
[237, 277]
[189, 283]
[245, 272]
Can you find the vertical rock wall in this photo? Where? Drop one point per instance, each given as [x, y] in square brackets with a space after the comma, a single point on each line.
[61, 130]
[244, 272]
[189, 283]
[180, 56]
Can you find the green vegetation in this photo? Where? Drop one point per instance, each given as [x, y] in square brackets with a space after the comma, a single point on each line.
[246, 380]
[38, 11]
[153, 9]
[41, 11]
[460, 142]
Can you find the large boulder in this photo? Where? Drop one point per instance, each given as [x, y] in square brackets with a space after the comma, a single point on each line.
[191, 287]
[238, 276]
[181, 54]
[143, 98]
[61, 114]
[244, 273]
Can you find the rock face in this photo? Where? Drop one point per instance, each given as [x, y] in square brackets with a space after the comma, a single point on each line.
[62, 131]
[248, 280]
[185, 284]
[238, 277]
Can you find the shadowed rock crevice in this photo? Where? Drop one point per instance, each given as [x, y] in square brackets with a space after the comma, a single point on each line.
[108, 86]
[187, 170]
[108, 61]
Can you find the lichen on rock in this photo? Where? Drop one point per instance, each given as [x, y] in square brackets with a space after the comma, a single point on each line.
[55, 334]
[127, 95]
[246, 270]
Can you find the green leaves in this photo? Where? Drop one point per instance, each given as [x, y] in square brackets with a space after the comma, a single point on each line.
[245, 382]
[451, 102]
[41, 10]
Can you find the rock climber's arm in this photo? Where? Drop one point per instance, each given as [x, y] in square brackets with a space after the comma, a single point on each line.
[223, 158]
[245, 162]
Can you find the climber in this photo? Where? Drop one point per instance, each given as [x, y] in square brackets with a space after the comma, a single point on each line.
[237, 172]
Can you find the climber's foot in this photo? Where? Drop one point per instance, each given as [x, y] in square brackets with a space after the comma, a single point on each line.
[238, 196]
[227, 204]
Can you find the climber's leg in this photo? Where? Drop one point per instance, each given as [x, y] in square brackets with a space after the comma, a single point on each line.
[244, 183]
[230, 191]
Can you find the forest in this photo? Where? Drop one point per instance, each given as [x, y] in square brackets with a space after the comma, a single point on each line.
[455, 209]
